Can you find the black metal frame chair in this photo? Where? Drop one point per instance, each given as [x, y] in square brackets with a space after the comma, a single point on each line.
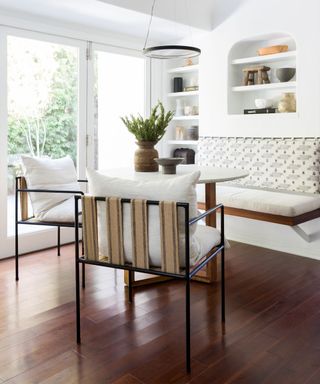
[23, 189]
[187, 276]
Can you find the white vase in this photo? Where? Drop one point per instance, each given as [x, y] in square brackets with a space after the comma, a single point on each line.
[179, 107]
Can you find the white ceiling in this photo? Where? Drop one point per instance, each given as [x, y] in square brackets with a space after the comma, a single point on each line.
[173, 20]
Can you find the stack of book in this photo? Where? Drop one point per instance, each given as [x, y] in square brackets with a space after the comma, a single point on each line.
[259, 110]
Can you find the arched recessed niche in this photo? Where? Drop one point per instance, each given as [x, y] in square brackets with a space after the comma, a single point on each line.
[244, 54]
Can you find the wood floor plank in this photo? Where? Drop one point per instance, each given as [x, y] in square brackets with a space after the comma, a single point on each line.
[272, 333]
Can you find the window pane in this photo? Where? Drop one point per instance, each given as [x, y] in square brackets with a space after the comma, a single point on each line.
[120, 91]
[42, 105]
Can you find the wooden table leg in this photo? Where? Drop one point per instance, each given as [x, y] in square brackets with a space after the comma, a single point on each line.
[210, 273]
[145, 281]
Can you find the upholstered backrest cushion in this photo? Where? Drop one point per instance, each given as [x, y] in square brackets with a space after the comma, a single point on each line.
[53, 174]
[289, 164]
[179, 189]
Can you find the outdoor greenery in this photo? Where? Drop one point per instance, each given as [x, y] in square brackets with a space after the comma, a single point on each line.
[42, 100]
[152, 128]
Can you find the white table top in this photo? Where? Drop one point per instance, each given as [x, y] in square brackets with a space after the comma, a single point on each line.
[208, 174]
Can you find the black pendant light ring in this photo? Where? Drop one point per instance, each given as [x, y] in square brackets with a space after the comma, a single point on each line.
[171, 51]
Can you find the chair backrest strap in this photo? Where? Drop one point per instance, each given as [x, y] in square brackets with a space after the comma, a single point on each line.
[169, 237]
[114, 230]
[23, 196]
[90, 228]
[139, 231]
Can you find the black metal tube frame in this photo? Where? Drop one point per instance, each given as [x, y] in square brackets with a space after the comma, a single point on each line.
[45, 223]
[186, 276]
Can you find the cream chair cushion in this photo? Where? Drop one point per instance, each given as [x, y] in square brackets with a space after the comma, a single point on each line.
[178, 188]
[53, 174]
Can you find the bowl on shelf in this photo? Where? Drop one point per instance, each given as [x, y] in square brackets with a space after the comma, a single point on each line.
[263, 103]
[169, 164]
[272, 50]
[285, 74]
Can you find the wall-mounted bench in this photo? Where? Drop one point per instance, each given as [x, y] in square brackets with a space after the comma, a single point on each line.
[283, 185]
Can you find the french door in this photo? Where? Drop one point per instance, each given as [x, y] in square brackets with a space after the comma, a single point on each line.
[43, 93]
[61, 97]
[119, 79]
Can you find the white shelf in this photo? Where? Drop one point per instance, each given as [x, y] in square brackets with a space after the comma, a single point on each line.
[186, 69]
[192, 117]
[277, 115]
[266, 58]
[183, 94]
[262, 87]
[182, 142]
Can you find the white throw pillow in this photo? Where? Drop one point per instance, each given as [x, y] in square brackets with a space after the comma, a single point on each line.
[179, 189]
[53, 174]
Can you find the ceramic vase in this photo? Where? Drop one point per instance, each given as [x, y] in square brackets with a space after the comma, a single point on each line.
[179, 108]
[144, 157]
[287, 103]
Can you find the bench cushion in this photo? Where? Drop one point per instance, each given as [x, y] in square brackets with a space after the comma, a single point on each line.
[276, 203]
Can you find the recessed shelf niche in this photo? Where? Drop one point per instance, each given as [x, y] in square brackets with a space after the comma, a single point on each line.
[245, 54]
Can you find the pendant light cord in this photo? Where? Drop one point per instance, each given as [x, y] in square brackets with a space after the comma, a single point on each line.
[149, 26]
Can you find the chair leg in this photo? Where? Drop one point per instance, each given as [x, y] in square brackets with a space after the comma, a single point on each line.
[78, 294]
[17, 251]
[58, 240]
[223, 294]
[188, 354]
[130, 285]
[83, 264]
[16, 230]
[83, 275]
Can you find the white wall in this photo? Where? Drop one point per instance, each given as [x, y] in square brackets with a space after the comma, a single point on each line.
[297, 18]
[301, 20]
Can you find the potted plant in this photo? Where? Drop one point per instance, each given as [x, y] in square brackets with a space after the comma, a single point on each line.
[148, 131]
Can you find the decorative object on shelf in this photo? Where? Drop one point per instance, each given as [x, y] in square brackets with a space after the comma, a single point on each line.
[259, 110]
[263, 103]
[192, 132]
[195, 110]
[287, 103]
[188, 110]
[272, 50]
[187, 154]
[262, 75]
[148, 131]
[191, 88]
[169, 164]
[167, 51]
[285, 74]
[179, 108]
[179, 133]
[177, 84]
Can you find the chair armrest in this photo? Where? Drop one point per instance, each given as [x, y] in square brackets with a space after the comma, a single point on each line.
[207, 213]
[50, 191]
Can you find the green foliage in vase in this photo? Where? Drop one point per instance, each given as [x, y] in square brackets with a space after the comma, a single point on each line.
[152, 128]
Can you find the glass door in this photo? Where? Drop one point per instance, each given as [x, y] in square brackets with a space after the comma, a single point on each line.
[119, 79]
[45, 93]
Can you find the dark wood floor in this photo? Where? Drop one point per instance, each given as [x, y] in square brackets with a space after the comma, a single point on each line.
[272, 332]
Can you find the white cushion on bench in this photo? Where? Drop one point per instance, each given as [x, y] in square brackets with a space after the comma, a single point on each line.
[276, 203]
